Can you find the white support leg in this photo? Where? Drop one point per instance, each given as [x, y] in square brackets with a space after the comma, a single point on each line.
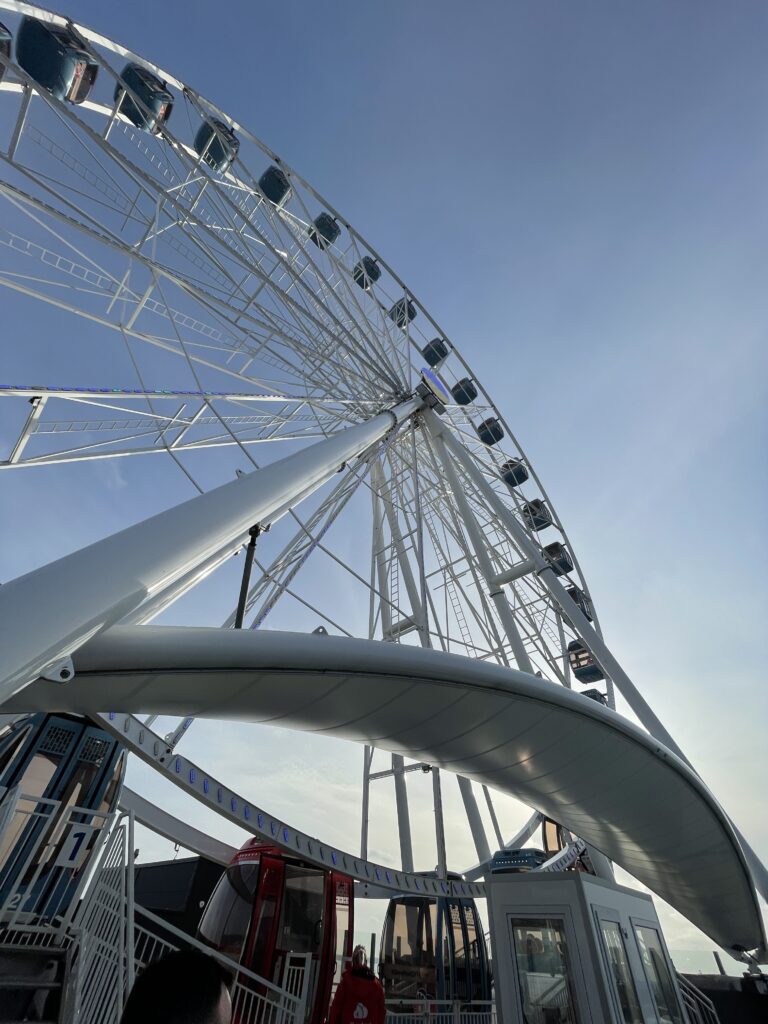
[50, 612]
[475, 821]
[477, 540]
[367, 760]
[583, 627]
[403, 817]
[442, 868]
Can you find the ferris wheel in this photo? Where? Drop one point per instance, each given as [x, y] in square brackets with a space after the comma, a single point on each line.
[250, 317]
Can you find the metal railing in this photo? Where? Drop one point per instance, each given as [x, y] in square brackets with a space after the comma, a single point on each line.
[102, 930]
[254, 999]
[46, 856]
[440, 1011]
[699, 1008]
[67, 881]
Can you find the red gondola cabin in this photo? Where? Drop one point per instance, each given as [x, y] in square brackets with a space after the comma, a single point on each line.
[269, 905]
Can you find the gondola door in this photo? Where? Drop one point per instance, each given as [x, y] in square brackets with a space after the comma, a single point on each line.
[304, 929]
[465, 976]
[338, 948]
[260, 952]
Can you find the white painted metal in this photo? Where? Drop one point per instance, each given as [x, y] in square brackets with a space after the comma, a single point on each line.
[476, 826]
[403, 817]
[583, 765]
[437, 796]
[316, 337]
[167, 825]
[481, 554]
[585, 629]
[95, 587]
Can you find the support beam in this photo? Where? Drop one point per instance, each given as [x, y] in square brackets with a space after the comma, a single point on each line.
[524, 568]
[403, 817]
[385, 609]
[581, 624]
[475, 821]
[480, 548]
[38, 404]
[418, 613]
[49, 613]
[390, 630]
[494, 819]
[367, 760]
[437, 796]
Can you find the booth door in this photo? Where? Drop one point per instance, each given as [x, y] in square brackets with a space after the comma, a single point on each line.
[621, 967]
[544, 969]
[659, 972]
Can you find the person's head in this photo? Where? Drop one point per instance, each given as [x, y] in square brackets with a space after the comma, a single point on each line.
[359, 957]
[185, 987]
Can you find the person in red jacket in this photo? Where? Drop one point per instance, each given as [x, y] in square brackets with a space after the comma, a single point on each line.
[359, 998]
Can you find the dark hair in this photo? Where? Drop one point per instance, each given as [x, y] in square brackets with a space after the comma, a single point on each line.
[181, 988]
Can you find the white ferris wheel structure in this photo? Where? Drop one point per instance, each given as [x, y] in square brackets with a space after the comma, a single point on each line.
[256, 319]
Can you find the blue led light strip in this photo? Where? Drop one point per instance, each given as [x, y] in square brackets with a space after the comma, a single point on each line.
[48, 389]
[188, 776]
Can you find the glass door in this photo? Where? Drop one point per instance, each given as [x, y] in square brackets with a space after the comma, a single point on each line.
[544, 971]
[658, 973]
[302, 928]
[621, 982]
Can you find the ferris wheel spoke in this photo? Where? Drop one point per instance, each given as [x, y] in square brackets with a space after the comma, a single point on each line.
[112, 289]
[277, 577]
[310, 300]
[234, 284]
[344, 281]
[399, 500]
[530, 633]
[450, 522]
[303, 315]
[482, 616]
[140, 233]
[499, 540]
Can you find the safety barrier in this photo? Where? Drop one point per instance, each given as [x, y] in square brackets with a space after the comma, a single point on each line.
[67, 882]
[254, 999]
[700, 1008]
[45, 856]
[437, 1011]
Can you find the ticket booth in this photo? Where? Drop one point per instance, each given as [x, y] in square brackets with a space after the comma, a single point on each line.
[569, 948]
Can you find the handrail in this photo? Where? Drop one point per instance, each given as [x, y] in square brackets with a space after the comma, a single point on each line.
[697, 1002]
[234, 968]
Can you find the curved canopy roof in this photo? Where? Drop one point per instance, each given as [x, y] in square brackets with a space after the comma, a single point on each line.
[580, 763]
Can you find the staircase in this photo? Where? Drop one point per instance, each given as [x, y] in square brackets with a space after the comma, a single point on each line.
[699, 1007]
[33, 983]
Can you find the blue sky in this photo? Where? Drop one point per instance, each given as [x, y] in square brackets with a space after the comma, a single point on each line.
[577, 193]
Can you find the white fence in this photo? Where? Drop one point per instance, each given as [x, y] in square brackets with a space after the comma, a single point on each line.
[69, 884]
[434, 1011]
[44, 859]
